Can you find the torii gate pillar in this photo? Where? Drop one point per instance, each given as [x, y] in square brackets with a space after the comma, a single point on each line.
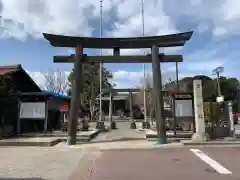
[158, 95]
[75, 100]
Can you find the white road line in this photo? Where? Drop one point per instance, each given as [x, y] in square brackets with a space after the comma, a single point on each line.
[214, 164]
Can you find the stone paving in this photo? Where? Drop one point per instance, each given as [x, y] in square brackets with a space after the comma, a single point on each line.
[123, 132]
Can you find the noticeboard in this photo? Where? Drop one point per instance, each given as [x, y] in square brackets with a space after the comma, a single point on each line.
[183, 108]
[32, 110]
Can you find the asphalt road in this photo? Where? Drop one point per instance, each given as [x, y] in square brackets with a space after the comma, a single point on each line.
[212, 163]
[159, 163]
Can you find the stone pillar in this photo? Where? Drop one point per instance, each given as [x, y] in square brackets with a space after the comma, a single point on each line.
[130, 105]
[200, 134]
[110, 107]
[158, 95]
[133, 123]
[75, 100]
[46, 116]
[112, 123]
[19, 118]
[231, 119]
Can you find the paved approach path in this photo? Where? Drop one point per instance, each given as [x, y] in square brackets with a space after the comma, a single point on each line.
[123, 132]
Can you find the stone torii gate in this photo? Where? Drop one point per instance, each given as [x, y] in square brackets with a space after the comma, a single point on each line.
[130, 91]
[153, 42]
[145, 124]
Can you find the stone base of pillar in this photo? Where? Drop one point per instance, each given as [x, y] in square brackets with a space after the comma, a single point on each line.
[231, 138]
[100, 125]
[200, 137]
[71, 140]
[85, 125]
[145, 125]
[161, 140]
[113, 125]
[133, 125]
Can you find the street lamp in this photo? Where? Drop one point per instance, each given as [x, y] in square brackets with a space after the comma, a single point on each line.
[217, 72]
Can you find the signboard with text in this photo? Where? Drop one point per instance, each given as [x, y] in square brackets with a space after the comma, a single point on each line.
[32, 110]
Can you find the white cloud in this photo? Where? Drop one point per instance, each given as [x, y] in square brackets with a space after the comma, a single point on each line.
[200, 66]
[122, 78]
[220, 31]
[28, 17]
[38, 78]
[130, 22]
[55, 16]
[126, 79]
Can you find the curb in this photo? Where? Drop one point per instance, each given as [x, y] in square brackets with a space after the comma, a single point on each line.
[211, 143]
[54, 142]
[21, 143]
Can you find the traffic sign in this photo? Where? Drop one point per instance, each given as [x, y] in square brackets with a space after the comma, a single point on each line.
[64, 108]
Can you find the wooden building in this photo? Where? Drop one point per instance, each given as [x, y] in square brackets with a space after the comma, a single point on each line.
[24, 107]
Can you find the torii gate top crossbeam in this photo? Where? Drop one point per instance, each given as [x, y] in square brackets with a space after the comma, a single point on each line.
[130, 90]
[171, 40]
[122, 90]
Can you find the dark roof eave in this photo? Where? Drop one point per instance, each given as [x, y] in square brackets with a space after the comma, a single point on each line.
[62, 97]
[57, 95]
[171, 40]
[35, 94]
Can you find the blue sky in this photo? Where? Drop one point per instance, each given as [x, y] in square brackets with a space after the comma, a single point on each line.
[215, 41]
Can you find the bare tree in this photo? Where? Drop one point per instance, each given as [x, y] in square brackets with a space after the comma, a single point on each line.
[56, 81]
[148, 82]
[139, 97]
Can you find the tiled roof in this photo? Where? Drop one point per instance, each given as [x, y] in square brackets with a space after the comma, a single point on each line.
[9, 69]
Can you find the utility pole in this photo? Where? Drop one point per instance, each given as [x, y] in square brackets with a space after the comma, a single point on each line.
[217, 72]
[101, 66]
[144, 69]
